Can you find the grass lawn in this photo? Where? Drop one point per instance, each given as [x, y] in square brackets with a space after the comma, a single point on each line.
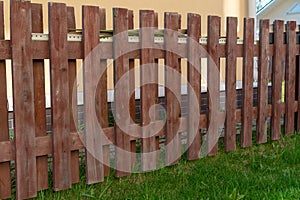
[270, 171]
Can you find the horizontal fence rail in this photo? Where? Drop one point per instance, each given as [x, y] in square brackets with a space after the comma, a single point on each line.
[111, 134]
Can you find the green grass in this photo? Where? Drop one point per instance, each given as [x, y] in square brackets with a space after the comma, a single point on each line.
[270, 171]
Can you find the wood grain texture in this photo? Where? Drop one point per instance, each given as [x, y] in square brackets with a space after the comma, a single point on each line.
[290, 78]
[230, 84]
[277, 64]
[263, 63]
[5, 180]
[213, 84]
[39, 98]
[122, 93]
[149, 79]
[23, 93]
[247, 99]
[172, 88]
[194, 90]
[60, 113]
[72, 68]
[92, 73]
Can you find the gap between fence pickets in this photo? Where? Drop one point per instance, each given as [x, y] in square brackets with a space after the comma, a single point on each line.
[131, 39]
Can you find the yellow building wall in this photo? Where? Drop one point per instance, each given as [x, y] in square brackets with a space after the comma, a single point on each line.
[222, 8]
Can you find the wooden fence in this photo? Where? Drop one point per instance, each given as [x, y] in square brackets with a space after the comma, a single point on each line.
[27, 154]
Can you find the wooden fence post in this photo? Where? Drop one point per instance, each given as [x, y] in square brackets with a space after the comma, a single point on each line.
[290, 78]
[230, 85]
[148, 88]
[277, 65]
[94, 149]
[213, 83]
[263, 63]
[247, 109]
[194, 79]
[60, 96]
[121, 66]
[5, 179]
[172, 89]
[23, 90]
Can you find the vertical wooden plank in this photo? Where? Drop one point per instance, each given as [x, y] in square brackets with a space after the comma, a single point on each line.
[230, 85]
[172, 88]
[5, 181]
[277, 64]
[60, 112]
[72, 67]
[94, 153]
[194, 79]
[132, 87]
[121, 66]
[290, 79]
[39, 99]
[23, 92]
[148, 88]
[213, 72]
[102, 94]
[248, 53]
[261, 127]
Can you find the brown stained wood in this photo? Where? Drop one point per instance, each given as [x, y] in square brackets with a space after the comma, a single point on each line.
[263, 62]
[40, 50]
[5, 180]
[132, 93]
[247, 99]
[230, 84]
[194, 90]
[172, 89]
[213, 83]
[148, 89]
[71, 24]
[23, 92]
[60, 111]
[39, 99]
[277, 63]
[92, 73]
[44, 144]
[102, 94]
[290, 79]
[122, 93]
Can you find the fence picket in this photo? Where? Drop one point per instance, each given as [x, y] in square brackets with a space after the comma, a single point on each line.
[290, 79]
[72, 68]
[60, 111]
[148, 88]
[213, 84]
[23, 90]
[5, 180]
[172, 89]
[278, 59]
[39, 99]
[230, 85]
[263, 63]
[121, 65]
[94, 150]
[247, 99]
[194, 79]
